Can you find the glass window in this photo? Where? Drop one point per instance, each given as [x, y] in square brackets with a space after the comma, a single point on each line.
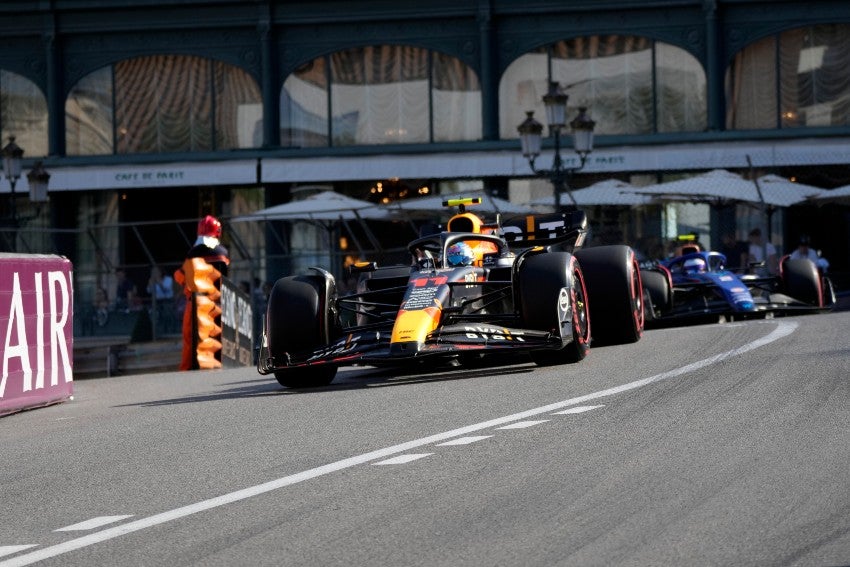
[795, 79]
[163, 103]
[751, 87]
[89, 116]
[238, 108]
[680, 91]
[386, 94]
[23, 114]
[630, 85]
[814, 87]
[379, 95]
[304, 106]
[456, 100]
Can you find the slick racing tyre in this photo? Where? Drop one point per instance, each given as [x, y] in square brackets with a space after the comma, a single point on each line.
[542, 280]
[657, 294]
[615, 293]
[296, 324]
[801, 281]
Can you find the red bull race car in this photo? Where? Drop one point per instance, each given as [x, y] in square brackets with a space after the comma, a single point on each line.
[470, 290]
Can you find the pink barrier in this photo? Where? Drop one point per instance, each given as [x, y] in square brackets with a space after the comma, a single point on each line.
[36, 331]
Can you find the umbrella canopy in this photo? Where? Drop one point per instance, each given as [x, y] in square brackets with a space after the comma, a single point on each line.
[324, 206]
[434, 204]
[783, 192]
[721, 185]
[840, 196]
[608, 192]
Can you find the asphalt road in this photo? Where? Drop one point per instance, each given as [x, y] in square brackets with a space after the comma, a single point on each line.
[710, 445]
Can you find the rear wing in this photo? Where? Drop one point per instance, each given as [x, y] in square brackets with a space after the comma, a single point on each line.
[546, 229]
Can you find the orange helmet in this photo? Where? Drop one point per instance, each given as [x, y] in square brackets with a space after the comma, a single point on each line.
[209, 226]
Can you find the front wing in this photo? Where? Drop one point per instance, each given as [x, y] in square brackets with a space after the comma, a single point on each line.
[701, 299]
[373, 347]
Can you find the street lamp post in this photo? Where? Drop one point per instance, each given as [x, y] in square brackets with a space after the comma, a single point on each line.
[12, 155]
[530, 132]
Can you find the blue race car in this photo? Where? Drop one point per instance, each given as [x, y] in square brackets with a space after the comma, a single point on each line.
[697, 286]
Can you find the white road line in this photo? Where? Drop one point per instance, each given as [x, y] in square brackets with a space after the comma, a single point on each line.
[402, 459]
[93, 523]
[523, 424]
[464, 440]
[579, 409]
[783, 329]
[10, 549]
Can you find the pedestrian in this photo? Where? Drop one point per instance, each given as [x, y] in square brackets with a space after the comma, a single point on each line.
[737, 252]
[161, 289]
[805, 251]
[125, 292]
[762, 252]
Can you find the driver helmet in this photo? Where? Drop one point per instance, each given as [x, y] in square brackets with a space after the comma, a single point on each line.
[209, 226]
[460, 254]
[694, 265]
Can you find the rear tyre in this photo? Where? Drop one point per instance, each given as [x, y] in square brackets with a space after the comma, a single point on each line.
[296, 325]
[546, 281]
[801, 280]
[615, 293]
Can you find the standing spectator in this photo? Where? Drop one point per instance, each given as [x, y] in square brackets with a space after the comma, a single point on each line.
[737, 252]
[761, 251]
[125, 292]
[160, 286]
[805, 251]
[161, 289]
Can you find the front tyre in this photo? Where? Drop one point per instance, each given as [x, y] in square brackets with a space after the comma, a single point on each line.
[547, 283]
[801, 280]
[297, 323]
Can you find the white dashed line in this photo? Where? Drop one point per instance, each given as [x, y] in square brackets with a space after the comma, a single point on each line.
[783, 329]
[402, 459]
[579, 409]
[93, 523]
[10, 549]
[523, 424]
[464, 440]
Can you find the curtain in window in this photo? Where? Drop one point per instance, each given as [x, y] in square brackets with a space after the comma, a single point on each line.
[88, 115]
[680, 91]
[379, 95]
[456, 100]
[23, 114]
[814, 89]
[304, 107]
[613, 77]
[163, 103]
[814, 84]
[238, 109]
[751, 87]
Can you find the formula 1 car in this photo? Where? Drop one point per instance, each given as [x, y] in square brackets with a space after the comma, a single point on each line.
[471, 290]
[697, 286]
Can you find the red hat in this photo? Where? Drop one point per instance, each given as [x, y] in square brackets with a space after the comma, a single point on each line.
[209, 226]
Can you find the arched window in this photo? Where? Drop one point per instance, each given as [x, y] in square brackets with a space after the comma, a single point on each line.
[631, 85]
[810, 68]
[23, 114]
[163, 103]
[384, 94]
